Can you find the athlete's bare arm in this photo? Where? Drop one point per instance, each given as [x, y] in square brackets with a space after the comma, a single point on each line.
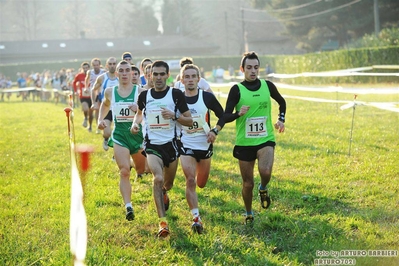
[104, 108]
[96, 88]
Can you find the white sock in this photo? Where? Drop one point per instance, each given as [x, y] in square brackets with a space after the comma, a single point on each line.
[195, 212]
[129, 204]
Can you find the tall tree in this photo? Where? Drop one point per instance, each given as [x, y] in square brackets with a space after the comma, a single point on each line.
[113, 17]
[316, 21]
[31, 17]
[141, 20]
[75, 18]
[180, 18]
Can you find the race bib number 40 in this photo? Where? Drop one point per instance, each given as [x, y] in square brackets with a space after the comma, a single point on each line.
[123, 112]
[255, 127]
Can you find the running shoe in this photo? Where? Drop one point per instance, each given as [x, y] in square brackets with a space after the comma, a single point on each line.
[197, 227]
[105, 145]
[264, 198]
[166, 200]
[249, 219]
[129, 214]
[89, 129]
[85, 123]
[163, 230]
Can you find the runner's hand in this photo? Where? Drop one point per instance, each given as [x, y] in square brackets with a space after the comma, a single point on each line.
[280, 126]
[135, 128]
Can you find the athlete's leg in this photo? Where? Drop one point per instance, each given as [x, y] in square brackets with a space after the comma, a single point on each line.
[265, 164]
[188, 164]
[95, 108]
[139, 161]
[169, 174]
[203, 169]
[122, 158]
[107, 130]
[85, 109]
[90, 113]
[247, 174]
[156, 166]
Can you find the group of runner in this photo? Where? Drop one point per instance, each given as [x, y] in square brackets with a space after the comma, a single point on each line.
[156, 123]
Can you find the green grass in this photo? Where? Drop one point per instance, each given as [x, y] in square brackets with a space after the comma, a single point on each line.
[322, 199]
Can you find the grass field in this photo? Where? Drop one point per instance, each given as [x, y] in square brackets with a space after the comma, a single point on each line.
[322, 199]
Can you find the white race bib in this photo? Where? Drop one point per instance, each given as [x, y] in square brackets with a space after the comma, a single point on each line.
[255, 127]
[199, 126]
[123, 112]
[156, 121]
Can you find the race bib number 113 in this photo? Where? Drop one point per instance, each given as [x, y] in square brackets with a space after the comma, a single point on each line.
[255, 127]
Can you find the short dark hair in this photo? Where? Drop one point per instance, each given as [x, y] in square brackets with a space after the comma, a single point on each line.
[160, 63]
[134, 68]
[185, 61]
[249, 55]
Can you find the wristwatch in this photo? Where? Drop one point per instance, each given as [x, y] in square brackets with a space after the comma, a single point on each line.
[215, 130]
[176, 117]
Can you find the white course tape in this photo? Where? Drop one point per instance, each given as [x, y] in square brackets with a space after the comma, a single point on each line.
[65, 92]
[342, 73]
[339, 89]
[78, 220]
[389, 106]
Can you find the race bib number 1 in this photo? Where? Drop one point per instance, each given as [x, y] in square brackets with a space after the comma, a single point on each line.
[255, 127]
[156, 121]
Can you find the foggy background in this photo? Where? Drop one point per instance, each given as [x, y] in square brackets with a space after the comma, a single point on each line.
[217, 23]
[42, 30]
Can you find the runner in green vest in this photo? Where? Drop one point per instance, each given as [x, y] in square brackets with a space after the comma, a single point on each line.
[122, 99]
[254, 129]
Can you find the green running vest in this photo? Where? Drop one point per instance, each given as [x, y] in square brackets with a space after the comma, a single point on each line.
[255, 127]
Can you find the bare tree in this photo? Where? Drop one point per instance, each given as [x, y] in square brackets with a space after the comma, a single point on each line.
[113, 16]
[30, 18]
[74, 20]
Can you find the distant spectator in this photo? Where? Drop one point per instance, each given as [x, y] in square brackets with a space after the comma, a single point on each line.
[231, 72]
[219, 75]
[214, 73]
[63, 75]
[3, 85]
[8, 82]
[56, 81]
[38, 84]
[202, 72]
[21, 81]
[8, 86]
[268, 70]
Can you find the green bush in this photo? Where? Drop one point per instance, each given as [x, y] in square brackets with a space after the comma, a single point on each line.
[387, 37]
